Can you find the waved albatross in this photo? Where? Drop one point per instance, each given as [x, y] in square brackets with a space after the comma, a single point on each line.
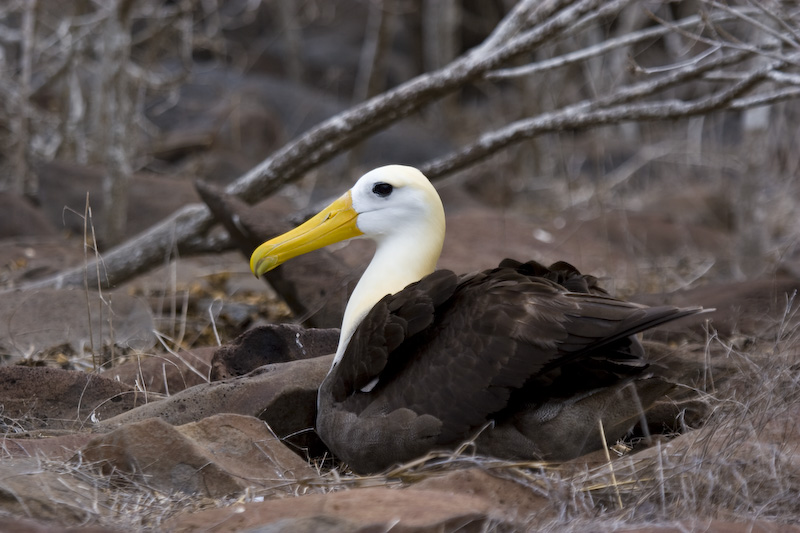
[530, 357]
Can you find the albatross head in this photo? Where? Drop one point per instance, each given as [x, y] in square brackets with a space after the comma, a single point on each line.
[395, 206]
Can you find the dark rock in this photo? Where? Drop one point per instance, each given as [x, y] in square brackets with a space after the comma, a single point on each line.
[358, 510]
[496, 235]
[32, 322]
[63, 189]
[54, 448]
[512, 500]
[741, 307]
[264, 345]
[24, 525]
[23, 259]
[218, 456]
[18, 218]
[153, 198]
[272, 110]
[614, 247]
[166, 373]
[29, 489]
[41, 398]
[282, 394]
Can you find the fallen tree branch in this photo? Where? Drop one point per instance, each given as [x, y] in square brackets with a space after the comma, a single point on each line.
[529, 25]
[333, 137]
[589, 114]
[346, 129]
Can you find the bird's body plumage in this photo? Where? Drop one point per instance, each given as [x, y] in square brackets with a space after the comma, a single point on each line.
[452, 354]
[538, 354]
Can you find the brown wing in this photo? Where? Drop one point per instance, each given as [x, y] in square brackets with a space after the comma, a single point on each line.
[454, 351]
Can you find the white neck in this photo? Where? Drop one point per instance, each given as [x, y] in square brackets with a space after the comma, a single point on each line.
[400, 259]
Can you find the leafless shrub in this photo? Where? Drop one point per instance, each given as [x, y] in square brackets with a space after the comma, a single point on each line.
[740, 466]
[81, 74]
[736, 57]
[637, 62]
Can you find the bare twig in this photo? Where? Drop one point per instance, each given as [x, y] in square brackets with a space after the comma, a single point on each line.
[613, 111]
[325, 141]
[766, 98]
[603, 48]
[528, 25]
[790, 37]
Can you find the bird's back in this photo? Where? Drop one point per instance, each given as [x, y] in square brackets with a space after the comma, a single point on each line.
[521, 344]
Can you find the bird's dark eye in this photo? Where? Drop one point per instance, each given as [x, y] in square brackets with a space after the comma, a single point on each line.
[382, 189]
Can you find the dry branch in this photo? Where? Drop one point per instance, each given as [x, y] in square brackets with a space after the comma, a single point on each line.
[187, 226]
[607, 46]
[529, 25]
[617, 109]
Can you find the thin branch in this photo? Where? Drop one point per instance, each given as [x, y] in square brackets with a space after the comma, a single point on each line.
[752, 21]
[581, 116]
[671, 79]
[776, 76]
[590, 52]
[767, 98]
[730, 42]
[528, 26]
[607, 46]
[781, 18]
[519, 19]
[308, 151]
[783, 77]
[348, 128]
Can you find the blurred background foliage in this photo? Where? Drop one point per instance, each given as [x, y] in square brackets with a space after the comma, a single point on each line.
[206, 89]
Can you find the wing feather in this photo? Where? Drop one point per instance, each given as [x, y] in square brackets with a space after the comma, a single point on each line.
[467, 347]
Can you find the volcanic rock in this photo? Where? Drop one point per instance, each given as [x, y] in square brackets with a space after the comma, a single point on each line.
[167, 373]
[41, 398]
[283, 394]
[360, 510]
[215, 457]
[271, 344]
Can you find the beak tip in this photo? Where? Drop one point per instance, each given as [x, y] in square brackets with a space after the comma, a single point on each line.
[254, 267]
[263, 265]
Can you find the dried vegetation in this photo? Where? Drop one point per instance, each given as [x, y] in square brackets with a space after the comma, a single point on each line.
[561, 109]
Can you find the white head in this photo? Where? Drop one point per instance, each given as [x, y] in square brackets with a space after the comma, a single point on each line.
[396, 199]
[398, 208]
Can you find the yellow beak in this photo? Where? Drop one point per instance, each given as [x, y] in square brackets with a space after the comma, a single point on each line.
[335, 223]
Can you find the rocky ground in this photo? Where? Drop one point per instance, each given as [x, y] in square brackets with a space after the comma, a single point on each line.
[122, 410]
[183, 399]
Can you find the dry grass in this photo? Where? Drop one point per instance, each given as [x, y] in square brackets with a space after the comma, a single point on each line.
[743, 464]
